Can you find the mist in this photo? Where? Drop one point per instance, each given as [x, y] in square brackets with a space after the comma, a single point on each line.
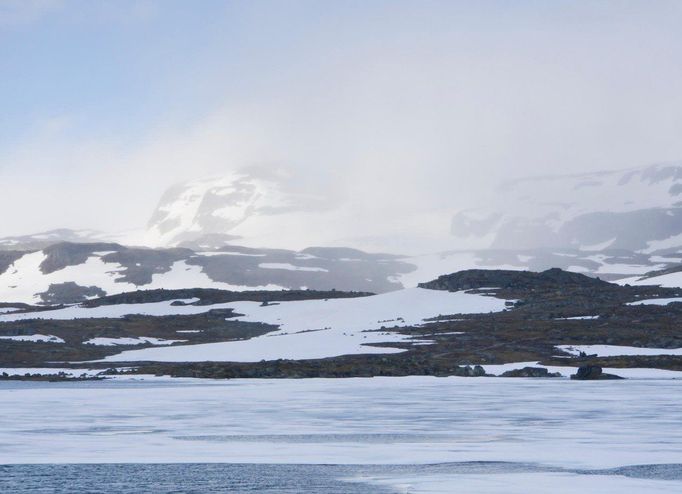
[399, 114]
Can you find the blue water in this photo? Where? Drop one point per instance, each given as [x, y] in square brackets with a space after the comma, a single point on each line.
[249, 478]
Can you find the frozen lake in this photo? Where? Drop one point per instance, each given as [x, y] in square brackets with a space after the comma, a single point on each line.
[416, 434]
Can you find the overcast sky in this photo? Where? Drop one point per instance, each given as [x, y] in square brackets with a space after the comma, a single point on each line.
[392, 105]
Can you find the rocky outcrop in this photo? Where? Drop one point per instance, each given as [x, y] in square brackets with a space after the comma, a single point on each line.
[69, 292]
[7, 258]
[592, 373]
[530, 372]
[502, 279]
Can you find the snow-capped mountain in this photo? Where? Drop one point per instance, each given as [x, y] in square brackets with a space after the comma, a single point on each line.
[217, 206]
[637, 210]
[72, 272]
[618, 226]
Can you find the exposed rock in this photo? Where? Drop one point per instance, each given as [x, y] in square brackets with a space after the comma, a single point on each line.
[592, 373]
[69, 292]
[487, 278]
[468, 371]
[531, 372]
[63, 254]
[7, 258]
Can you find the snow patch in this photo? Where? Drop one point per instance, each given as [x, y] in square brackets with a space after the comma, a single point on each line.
[290, 267]
[141, 340]
[34, 338]
[616, 351]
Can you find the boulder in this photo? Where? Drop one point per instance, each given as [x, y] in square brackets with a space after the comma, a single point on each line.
[592, 373]
[468, 371]
[531, 372]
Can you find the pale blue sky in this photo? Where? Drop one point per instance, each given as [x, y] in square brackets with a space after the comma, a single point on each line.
[410, 104]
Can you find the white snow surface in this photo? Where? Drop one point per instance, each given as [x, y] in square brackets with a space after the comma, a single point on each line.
[431, 266]
[290, 267]
[625, 269]
[35, 338]
[311, 329]
[228, 253]
[576, 318]
[183, 275]
[599, 246]
[4, 310]
[657, 301]
[670, 280]
[670, 242]
[615, 350]
[141, 340]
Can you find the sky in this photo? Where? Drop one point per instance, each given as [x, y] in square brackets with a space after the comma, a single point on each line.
[403, 112]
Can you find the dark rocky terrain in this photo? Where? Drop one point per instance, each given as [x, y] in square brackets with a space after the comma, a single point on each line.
[538, 321]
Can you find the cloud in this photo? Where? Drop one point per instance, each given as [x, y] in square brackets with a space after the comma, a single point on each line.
[398, 114]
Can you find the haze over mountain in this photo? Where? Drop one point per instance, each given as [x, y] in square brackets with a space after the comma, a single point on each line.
[615, 225]
[179, 139]
[638, 209]
[396, 114]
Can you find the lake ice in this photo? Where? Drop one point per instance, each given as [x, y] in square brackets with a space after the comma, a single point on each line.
[552, 435]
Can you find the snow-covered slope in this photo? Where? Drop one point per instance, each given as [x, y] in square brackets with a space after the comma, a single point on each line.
[671, 278]
[636, 210]
[71, 272]
[219, 205]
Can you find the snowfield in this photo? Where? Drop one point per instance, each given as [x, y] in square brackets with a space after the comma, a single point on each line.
[312, 329]
[670, 280]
